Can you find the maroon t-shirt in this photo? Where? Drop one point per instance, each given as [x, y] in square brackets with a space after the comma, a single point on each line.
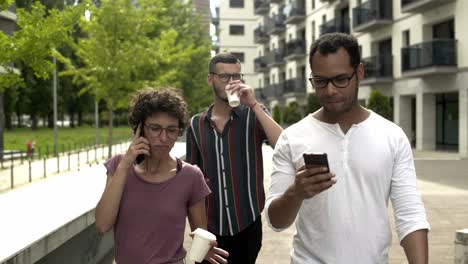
[150, 224]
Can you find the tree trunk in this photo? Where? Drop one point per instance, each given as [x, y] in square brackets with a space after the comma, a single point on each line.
[50, 120]
[80, 118]
[72, 118]
[2, 125]
[34, 121]
[111, 119]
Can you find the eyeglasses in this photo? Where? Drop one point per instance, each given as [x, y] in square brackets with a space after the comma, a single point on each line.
[339, 82]
[225, 77]
[172, 132]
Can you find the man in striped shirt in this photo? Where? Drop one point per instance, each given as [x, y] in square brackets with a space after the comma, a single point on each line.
[226, 143]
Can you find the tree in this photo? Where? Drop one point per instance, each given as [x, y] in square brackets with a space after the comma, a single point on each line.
[277, 114]
[380, 104]
[40, 33]
[291, 113]
[313, 103]
[126, 47]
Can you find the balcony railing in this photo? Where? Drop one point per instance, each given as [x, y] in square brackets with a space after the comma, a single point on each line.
[297, 86]
[260, 94]
[335, 25]
[276, 24]
[261, 7]
[372, 14]
[273, 91]
[439, 52]
[295, 49]
[378, 68]
[295, 12]
[260, 36]
[275, 58]
[260, 64]
[275, 1]
[421, 5]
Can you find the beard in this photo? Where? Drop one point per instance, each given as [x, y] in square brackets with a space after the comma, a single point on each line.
[220, 93]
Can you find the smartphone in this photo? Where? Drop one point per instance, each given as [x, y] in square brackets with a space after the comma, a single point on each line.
[139, 159]
[316, 159]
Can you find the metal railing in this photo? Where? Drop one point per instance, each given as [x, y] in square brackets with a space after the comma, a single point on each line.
[260, 35]
[297, 85]
[275, 57]
[26, 168]
[295, 47]
[276, 24]
[335, 25]
[380, 66]
[439, 52]
[372, 10]
[260, 64]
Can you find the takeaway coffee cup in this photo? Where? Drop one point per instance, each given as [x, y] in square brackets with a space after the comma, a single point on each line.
[200, 244]
[233, 98]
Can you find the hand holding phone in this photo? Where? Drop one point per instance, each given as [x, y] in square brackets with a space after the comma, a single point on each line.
[139, 159]
[316, 159]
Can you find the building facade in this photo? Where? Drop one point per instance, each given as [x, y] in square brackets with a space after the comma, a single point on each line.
[412, 51]
[235, 22]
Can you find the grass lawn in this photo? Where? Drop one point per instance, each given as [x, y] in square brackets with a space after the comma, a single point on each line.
[68, 138]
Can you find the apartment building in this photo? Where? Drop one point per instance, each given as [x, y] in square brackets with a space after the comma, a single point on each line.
[235, 22]
[412, 51]
[7, 25]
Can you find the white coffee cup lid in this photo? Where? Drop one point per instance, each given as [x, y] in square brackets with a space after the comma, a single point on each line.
[205, 234]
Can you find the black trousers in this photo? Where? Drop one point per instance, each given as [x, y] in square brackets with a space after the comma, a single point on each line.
[243, 247]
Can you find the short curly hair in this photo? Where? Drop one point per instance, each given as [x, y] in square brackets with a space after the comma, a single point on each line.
[149, 101]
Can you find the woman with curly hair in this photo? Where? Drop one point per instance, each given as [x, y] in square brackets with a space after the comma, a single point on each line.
[149, 193]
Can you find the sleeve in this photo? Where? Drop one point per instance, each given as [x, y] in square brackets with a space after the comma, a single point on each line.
[192, 153]
[199, 187]
[283, 174]
[112, 163]
[408, 207]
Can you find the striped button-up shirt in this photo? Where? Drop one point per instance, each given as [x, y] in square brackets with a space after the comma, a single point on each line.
[232, 163]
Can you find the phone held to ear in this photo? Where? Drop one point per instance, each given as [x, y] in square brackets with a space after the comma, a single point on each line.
[139, 159]
[316, 159]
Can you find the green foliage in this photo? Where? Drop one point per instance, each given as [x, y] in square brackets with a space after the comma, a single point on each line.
[292, 113]
[4, 4]
[17, 138]
[313, 103]
[380, 104]
[277, 114]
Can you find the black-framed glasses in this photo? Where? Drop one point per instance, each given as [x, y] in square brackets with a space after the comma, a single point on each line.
[339, 81]
[172, 132]
[225, 77]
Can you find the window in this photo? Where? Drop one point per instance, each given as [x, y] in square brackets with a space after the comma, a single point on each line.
[236, 30]
[239, 55]
[313, 4]
[236, 3]
[313, 31]
[405, 38]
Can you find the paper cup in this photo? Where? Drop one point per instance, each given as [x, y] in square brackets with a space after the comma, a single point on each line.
[200, 244]
[233, 98]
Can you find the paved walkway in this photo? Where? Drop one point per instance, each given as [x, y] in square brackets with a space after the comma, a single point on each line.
[31, 211]
[443, 183]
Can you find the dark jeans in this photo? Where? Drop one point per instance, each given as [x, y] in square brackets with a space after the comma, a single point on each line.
[243, 247]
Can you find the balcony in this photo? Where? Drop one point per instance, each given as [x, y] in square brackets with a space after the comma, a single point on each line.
[372, 14]
[273, 91]
[295, 12]
[378, 69]
[260, 36]
[428, 58]
[295, 87]
[418, 6]
[260, 64]
[276, 1]
[276, 24]
[335, 25]
[275, 58]
[215, 19]
[261, 7]
[295, 49]
[260, 94]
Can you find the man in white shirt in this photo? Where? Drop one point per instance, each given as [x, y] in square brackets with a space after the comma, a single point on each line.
[342, 215]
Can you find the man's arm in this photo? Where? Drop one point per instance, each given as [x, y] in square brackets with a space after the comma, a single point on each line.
[416, 247]
[272, 129]
[192, 155]
[308, 182]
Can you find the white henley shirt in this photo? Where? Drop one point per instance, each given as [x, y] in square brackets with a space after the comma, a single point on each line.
[349, 223]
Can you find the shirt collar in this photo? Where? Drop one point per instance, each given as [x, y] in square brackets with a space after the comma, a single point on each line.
[236, 111]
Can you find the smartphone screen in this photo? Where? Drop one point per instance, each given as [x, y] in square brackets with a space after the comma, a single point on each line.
[313, 160]
[141, 157]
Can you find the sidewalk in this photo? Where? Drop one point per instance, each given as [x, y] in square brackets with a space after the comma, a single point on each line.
[443, 184]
